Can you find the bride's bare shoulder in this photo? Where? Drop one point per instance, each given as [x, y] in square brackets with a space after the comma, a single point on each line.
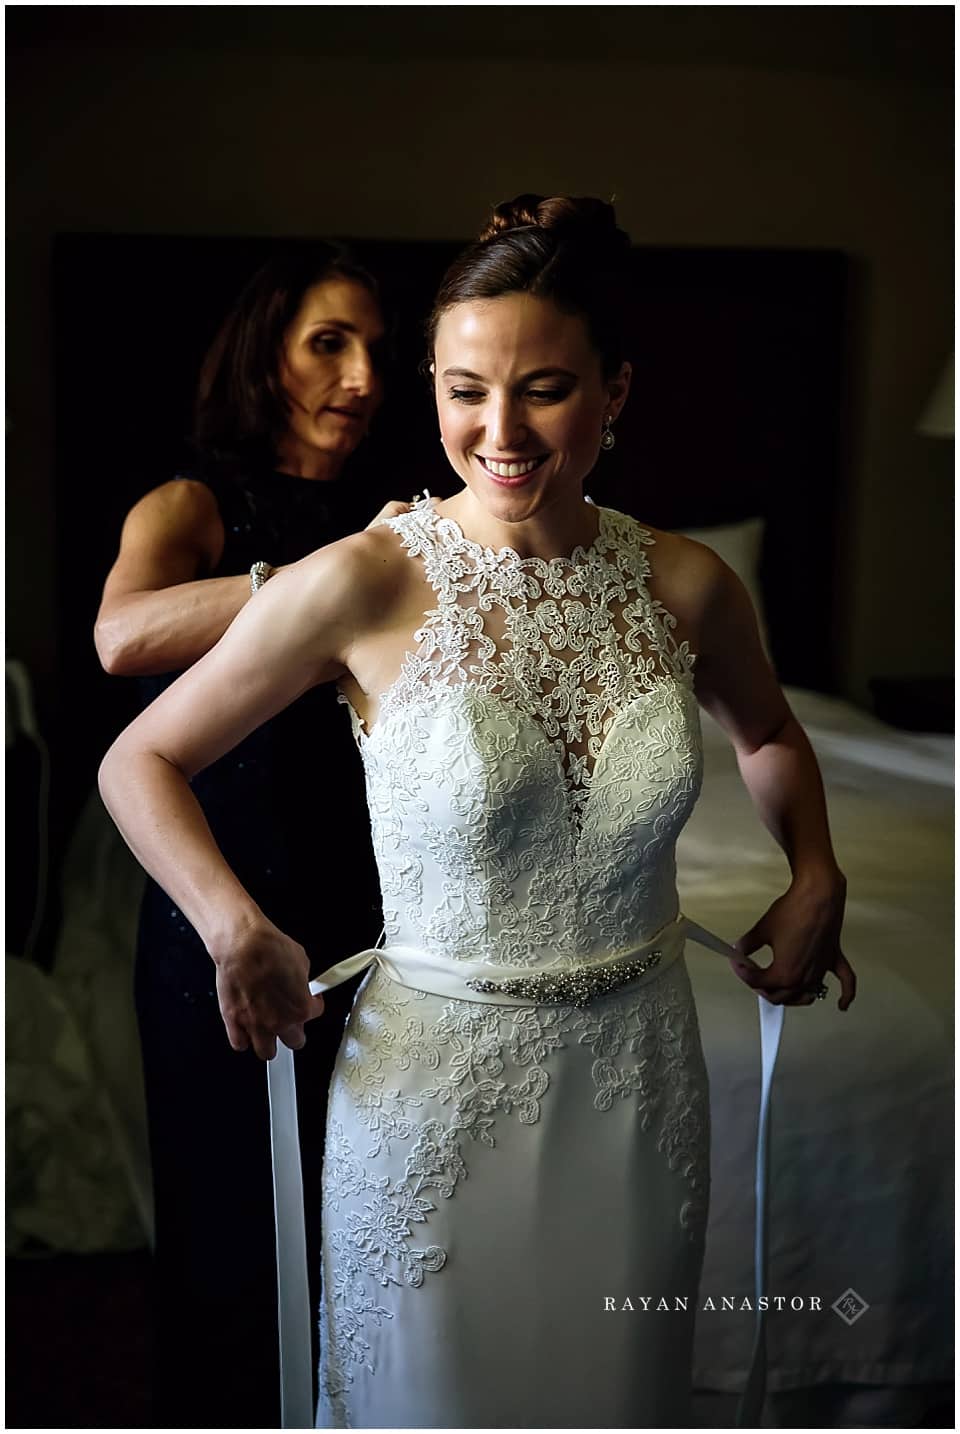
[684, 574]
[362, 574]
[675, 557]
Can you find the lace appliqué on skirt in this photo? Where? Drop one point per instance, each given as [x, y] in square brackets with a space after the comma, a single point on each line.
[481, 1063]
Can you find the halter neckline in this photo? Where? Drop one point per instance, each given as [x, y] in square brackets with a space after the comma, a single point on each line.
[582, 553]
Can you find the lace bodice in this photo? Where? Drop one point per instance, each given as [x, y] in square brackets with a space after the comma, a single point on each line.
[538, 754]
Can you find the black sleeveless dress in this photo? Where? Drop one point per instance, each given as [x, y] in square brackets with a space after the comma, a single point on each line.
[287, 809]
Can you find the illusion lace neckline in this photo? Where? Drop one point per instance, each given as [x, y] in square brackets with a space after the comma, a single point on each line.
[582, 553]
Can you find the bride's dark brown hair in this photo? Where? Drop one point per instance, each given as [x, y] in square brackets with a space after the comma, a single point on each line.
[564, 249]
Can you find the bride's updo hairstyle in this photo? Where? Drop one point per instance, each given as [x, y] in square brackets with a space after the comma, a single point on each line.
[563, 249]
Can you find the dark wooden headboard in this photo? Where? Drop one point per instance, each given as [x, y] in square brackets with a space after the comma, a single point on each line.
[737, 410]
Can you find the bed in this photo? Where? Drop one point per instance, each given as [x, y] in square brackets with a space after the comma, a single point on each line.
[741, 386]
[860, 1204]
[860, 1165]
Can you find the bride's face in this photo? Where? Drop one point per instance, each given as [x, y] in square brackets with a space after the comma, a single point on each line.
[521, 400]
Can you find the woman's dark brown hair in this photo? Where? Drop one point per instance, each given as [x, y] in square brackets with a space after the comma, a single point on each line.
[241, 409]
[563, 249]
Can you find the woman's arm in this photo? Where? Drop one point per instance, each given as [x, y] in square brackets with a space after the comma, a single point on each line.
[153, 616]
[296, 632]
[735, 683]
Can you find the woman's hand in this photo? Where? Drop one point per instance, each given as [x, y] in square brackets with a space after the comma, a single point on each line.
[262, 985]
[393, 509]
[802, 927]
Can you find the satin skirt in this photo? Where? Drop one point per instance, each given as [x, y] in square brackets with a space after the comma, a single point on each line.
[514, 1205]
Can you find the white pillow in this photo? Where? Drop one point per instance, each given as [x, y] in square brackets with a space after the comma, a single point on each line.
[739, 545]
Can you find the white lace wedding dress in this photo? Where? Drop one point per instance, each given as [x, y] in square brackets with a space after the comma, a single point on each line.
[507, 1157]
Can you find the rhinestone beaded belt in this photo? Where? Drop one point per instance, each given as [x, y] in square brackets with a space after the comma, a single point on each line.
[570, 988]
[497, 985]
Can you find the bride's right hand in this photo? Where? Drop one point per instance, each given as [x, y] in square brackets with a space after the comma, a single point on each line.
[262, 986]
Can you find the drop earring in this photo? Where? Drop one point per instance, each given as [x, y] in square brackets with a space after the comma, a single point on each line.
[607, 437]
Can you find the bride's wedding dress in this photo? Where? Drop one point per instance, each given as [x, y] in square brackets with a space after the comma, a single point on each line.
[518, 1136]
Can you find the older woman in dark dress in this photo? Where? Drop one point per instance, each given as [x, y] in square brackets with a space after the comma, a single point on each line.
[286, 395]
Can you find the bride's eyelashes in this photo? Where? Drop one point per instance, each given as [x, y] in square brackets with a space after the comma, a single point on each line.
[539, 395]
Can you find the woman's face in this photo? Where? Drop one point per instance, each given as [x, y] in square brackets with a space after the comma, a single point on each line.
[330, 371]
[521, 399]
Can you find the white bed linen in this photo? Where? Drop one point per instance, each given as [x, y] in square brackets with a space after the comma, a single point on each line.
[861, 1160]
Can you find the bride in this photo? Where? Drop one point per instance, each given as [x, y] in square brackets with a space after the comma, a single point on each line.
[518, 1129]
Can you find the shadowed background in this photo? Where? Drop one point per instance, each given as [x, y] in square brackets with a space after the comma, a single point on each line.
[814, 128]
[774, 129]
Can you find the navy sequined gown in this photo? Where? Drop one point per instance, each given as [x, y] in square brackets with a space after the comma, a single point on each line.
[292, 823]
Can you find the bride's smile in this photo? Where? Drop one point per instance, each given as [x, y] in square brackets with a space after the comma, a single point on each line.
[522, 400]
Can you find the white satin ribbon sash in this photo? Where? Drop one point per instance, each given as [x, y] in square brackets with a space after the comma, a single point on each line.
[421, 971]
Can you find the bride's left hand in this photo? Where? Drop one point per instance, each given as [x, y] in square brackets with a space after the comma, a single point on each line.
[802, 928]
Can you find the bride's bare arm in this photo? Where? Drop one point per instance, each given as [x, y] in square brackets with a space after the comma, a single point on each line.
[735, 683]
[295, 633]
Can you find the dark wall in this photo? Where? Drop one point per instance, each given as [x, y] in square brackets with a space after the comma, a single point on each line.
[778, 128]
